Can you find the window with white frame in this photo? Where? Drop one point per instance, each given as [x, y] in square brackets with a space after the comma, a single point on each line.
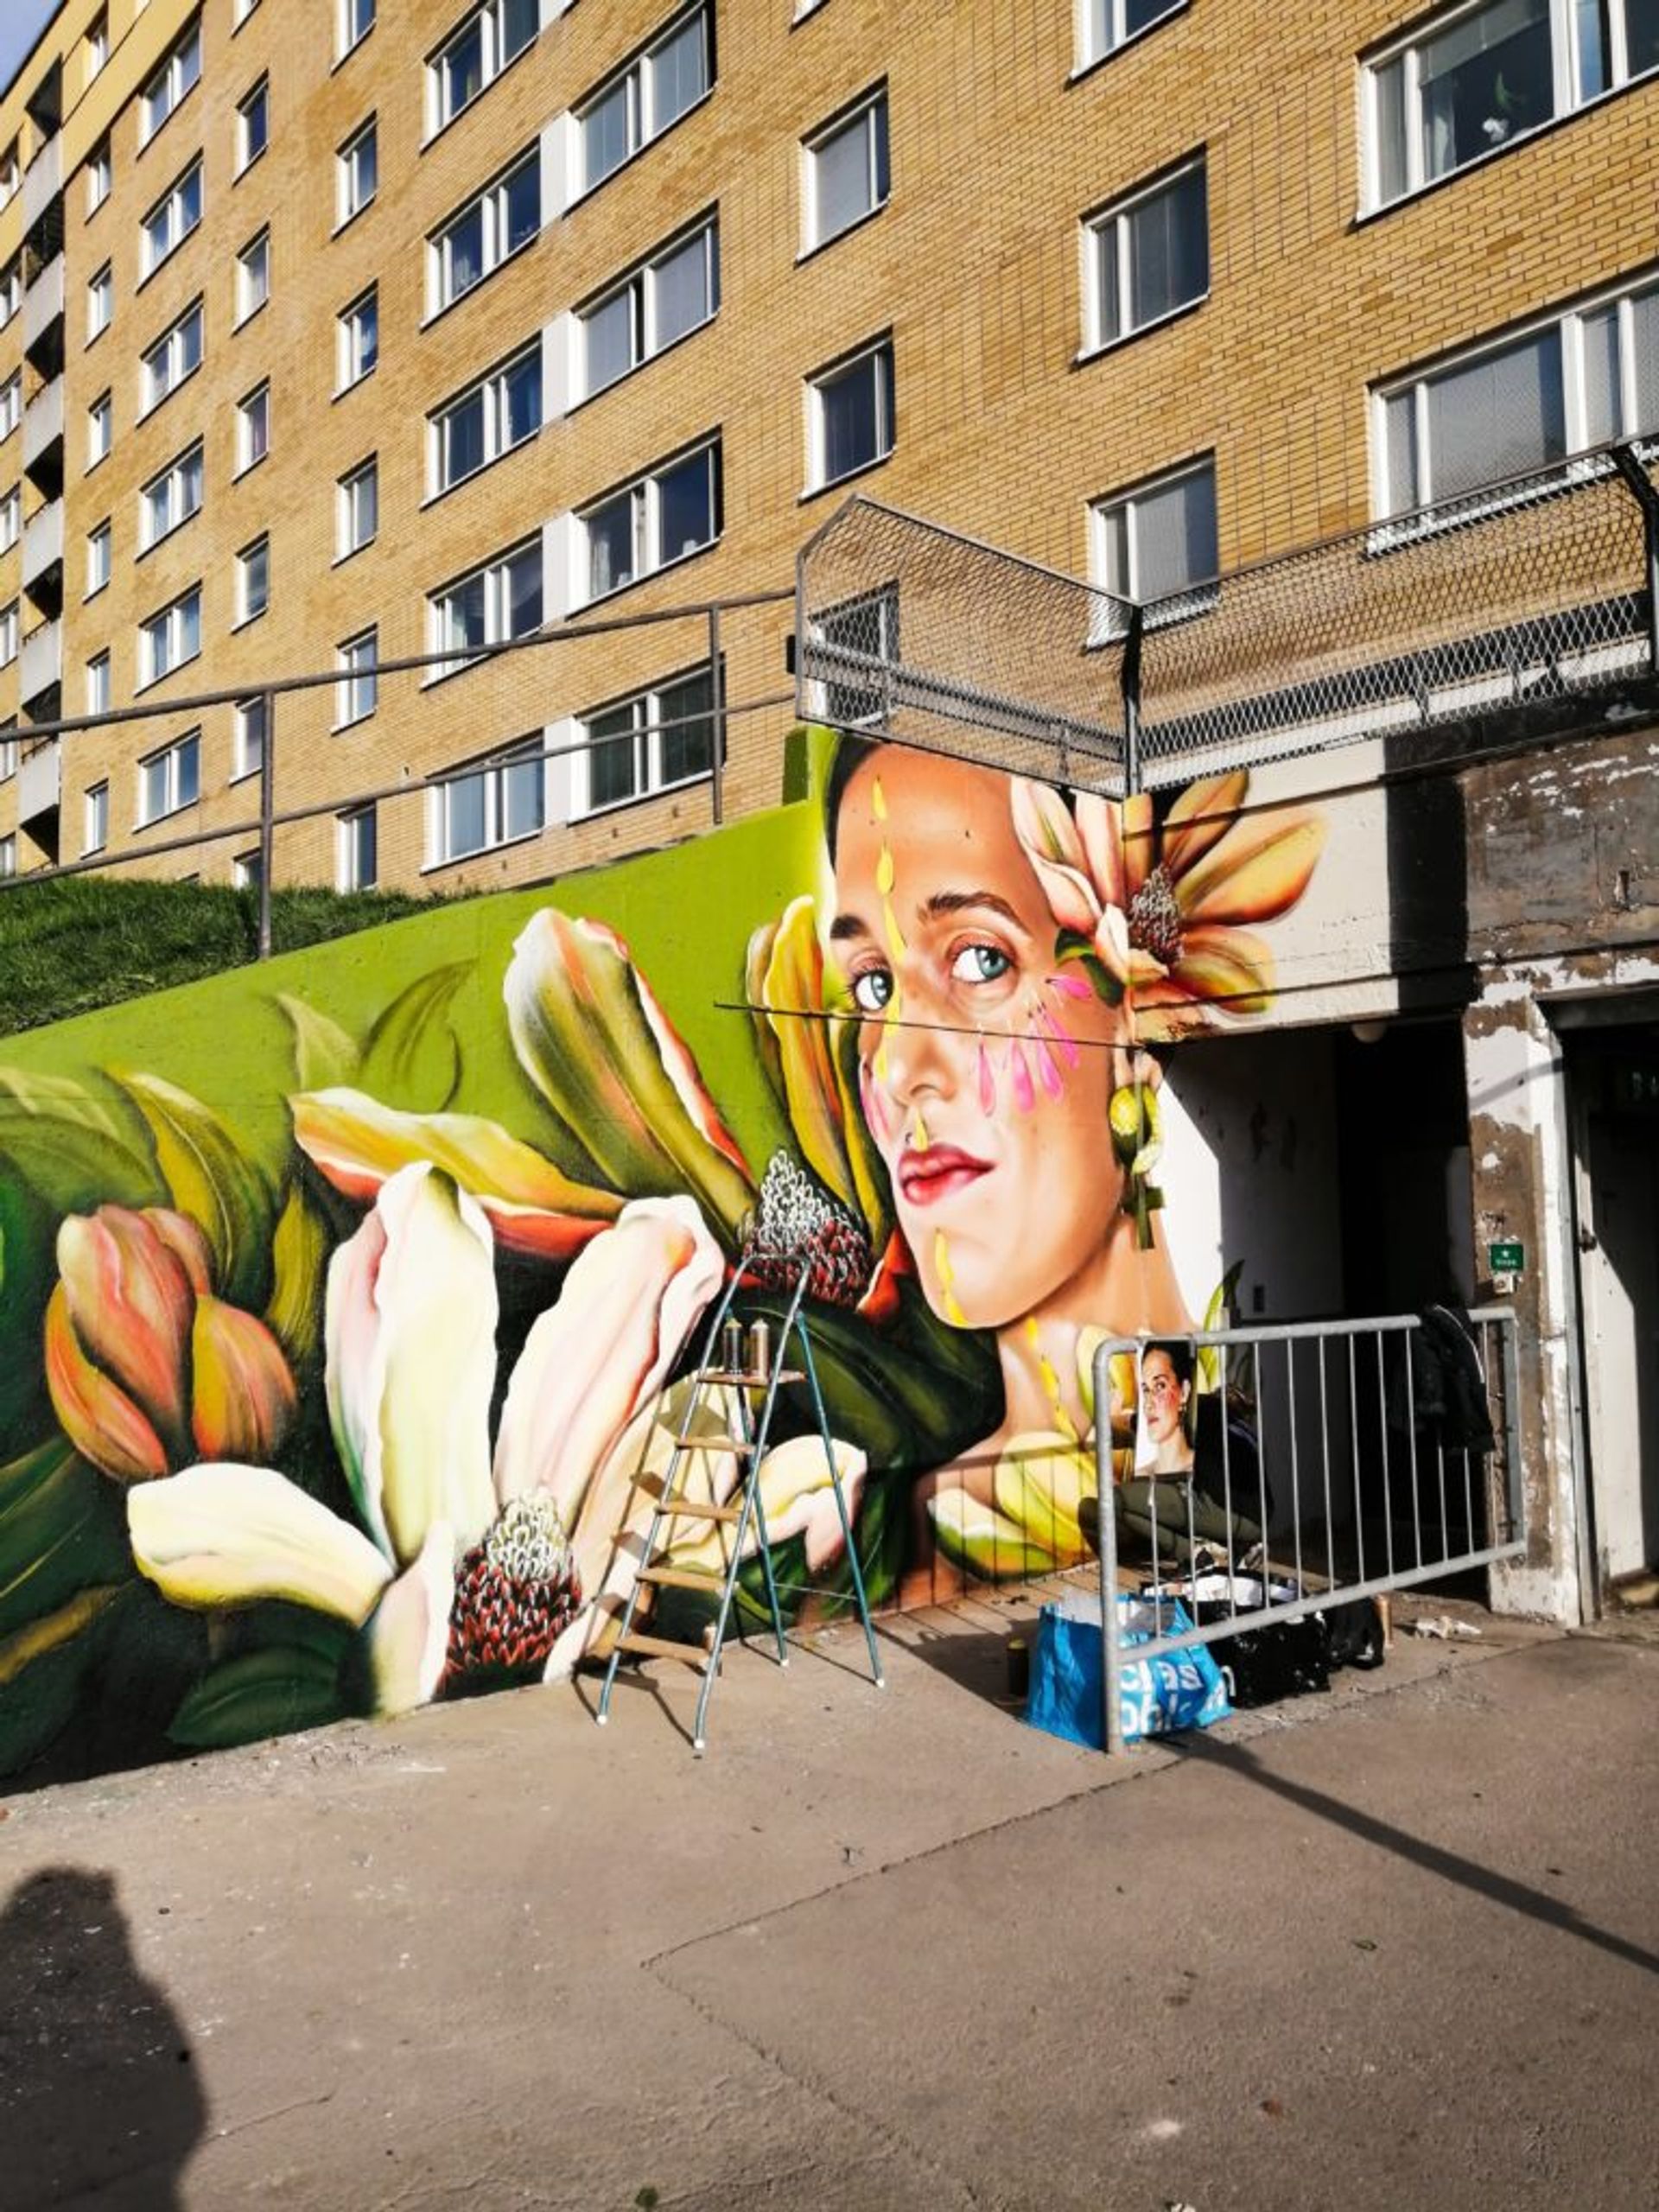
[98, 44]
[357, 692]
[357, 515]
[1157, 544]
[170, 778]
[356, 20]
[674, 292]
[253, 276]
[252, 428]
[859, 638]
[475, 241]
[493, 604]
[12, 172]
[474, 53]
[253, 580]
[248, 737]
[100, 302]
[98, 558]
[502, 410]
[648, 743]
[845, 171]
[357, 859]
[11, 518]
[660, 518]
[240, 12]
[1146, 255]
[1104, 25]
[7, 752]
[170, 83]
[850, 415]
[170, 498]
[646, 97]
[170, 637]
[1474, 79]
[357, 172]
[100, 176]
[11, 403]
[252, 124]
[8, 856]
[246, 870]
[174, 355]
[171, 220]
[500, 800]
[11, 289]
[357, 340]
[9, 634]
[95, 818]
[100, 428]
[97, 684]
[1521, 404]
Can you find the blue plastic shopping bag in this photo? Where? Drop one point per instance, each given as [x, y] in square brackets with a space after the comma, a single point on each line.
[1181, 1689]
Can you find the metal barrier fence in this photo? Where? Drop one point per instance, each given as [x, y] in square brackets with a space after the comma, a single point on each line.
[1544, 586]
[1329, 1469]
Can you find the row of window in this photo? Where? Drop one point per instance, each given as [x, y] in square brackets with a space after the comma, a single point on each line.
[654, 740]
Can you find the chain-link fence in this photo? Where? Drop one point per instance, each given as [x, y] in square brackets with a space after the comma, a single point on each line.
[1533, 589]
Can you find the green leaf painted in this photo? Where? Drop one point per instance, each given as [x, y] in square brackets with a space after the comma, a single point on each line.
[299, 1260]
[60, 1530]
[323, 1054]
[67, 1146]
[211, 1178]
[268, 1693]
[412, 1059]
[40, 1699]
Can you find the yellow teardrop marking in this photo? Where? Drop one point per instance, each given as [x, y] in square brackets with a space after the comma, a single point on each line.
[953, 1311]
[1051, 1382]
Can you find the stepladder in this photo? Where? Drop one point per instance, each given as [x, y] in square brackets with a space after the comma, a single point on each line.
[741, 1372]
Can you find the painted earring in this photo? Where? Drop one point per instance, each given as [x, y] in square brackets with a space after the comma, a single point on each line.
[1137, 1140]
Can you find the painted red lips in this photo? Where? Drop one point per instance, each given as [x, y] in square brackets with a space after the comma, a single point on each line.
[925, 1178]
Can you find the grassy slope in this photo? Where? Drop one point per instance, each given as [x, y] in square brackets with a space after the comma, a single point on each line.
[69, 947]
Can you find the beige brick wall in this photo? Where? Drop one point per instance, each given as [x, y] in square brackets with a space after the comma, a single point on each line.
[974, 265]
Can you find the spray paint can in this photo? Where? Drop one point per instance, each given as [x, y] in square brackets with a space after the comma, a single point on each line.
[731, 1347]
[760, 1348]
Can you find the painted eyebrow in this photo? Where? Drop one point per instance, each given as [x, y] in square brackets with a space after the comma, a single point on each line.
[956, 902]
[846, 925]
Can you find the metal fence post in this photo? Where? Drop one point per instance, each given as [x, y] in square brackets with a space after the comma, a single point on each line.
[267, 817]
[1111, 1657]
[1636, 481]
[1130, 680]
[717, 681]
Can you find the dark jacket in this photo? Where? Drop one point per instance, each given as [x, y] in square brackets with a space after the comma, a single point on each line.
[1447, 1402]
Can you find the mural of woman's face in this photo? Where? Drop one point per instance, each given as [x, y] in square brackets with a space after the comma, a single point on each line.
[986, 1066]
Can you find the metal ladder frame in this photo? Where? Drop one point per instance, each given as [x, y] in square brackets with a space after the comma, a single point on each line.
[751, 1447]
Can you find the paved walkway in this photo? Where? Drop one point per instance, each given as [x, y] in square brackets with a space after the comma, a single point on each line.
[1395, 1947]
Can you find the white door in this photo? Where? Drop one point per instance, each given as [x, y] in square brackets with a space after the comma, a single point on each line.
[1619, 1279]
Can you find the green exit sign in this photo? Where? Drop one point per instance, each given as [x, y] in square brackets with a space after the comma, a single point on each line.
[1506, 1259]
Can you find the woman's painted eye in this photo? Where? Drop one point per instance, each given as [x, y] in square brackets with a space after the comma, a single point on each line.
[872, 989]
[980, 963]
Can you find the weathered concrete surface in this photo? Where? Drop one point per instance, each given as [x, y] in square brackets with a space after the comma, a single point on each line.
[1395, 1947]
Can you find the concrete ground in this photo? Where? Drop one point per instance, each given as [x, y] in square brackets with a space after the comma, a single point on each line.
[1395, 1947]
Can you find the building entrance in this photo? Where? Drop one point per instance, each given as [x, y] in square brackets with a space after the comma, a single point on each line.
[1613, 1076]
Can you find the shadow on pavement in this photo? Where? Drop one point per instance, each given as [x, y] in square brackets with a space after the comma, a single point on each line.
[1537, 1904]
[99, 2098]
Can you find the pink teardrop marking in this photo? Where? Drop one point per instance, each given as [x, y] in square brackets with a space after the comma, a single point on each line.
[1048, 1069]
[1054, 1028]
[1070, 987]
[1024, 1096]
[987, 1084]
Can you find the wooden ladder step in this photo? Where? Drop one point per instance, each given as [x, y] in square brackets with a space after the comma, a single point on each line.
[659, 1647]
[684, 1577]
[741, 1379]
[699, 1510]
[737, 1444]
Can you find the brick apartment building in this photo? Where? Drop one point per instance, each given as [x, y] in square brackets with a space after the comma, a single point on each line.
[447, 320]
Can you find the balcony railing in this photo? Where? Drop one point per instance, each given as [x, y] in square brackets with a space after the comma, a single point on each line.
[43, 422]
[43, 181]
[42, 542]
[40, 781]
[42, 304]
[1482, 609]
[41, 663]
